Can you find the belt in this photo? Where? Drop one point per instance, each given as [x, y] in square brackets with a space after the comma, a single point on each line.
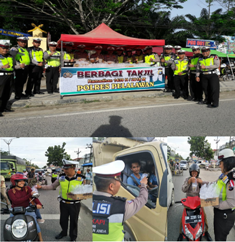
[5, 73]
[63, 201]
[225, 210]
[208, 72]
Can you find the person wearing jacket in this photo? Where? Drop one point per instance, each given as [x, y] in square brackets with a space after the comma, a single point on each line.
[20, 195]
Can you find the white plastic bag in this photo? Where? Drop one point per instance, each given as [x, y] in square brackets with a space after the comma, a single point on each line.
[82, 189]
[209, 190]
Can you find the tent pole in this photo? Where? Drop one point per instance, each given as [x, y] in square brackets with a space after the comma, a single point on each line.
[62, 56]
[230, 66]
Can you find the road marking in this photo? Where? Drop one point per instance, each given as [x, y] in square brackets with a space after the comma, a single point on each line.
[44, 216]
[110, 110]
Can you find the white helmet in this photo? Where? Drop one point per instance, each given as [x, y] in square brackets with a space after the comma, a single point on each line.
[226, 153]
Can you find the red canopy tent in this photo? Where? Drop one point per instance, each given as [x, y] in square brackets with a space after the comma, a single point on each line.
[104, 35]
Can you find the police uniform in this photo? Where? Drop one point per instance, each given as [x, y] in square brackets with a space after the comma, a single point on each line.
[177, 48]
[35, 71]
[97, 58]
[129, 58]
[54, 176]
[81, 55]
[195, 87]
[68, 56]
[109, 212]
[6, 77]
[52, 68]
[209, 78]
[121, 57]
[69, 208]
[224, 213]
[110, 56]
[169, 58]
[139, 58]
[180, 81]
[21, 56]
[151, 58]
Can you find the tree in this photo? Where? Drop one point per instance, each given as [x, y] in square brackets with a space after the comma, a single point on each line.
[56, 154]
[227, 4]
[200, 147]
[2, 152]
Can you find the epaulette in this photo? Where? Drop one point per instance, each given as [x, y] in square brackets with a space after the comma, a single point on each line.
[62, 174]
[14, 48]
[120, 198]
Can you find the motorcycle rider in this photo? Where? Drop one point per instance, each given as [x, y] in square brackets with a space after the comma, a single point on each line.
[192, 191]
[20, 194]
[224, 213]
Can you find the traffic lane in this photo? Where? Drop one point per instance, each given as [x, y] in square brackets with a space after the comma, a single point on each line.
[167, 119]
[175, 212]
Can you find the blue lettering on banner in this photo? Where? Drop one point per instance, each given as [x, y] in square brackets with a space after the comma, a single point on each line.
[13, 33]
[102, 208]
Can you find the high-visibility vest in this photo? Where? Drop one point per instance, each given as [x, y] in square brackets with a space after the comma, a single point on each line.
[66, 185]
[129, 58]
[120, 58]
[23, 57]
[166, 58]
[108, 215]
[68, 56]
[147, 59]
[223, 190]
[7, 60]
[37, 55]
[181, 65]
[54, 175]
[55, 62]
[206, 62]
[139, 57]
[194, 62]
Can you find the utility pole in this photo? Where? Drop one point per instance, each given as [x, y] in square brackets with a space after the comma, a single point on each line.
[217, 142]
[89, 146]
[77, 152]
[8, 142]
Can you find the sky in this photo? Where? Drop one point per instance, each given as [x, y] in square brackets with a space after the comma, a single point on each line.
[181, 146]
[33, 149]
[193, 7]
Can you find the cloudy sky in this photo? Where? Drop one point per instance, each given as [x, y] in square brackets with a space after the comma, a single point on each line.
[34, 149]
[181, 146]
[193, 7]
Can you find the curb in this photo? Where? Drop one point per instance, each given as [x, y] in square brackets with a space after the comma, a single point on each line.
[86, 208]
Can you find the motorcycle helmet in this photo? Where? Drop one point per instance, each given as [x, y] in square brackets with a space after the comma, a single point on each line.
[228, 158]
[18, 177]
[194, 167]
[24, 170]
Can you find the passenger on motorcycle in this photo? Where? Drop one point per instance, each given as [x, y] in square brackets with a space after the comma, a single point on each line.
[193, 191]
[20, 195]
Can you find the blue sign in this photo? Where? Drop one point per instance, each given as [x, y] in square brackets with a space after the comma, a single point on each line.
[199, 42]
[13, 33]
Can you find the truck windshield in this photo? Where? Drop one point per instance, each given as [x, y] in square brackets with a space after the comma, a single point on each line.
[4, 166]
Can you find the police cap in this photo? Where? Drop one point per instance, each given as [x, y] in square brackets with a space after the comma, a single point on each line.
[37, 40]
[52, 43]
[110, 48]
[195, 48]
[181, 51]
[148, 47]
[110, 170]
[98, 47]
[81, 46]
[69, 164]
[226, 153]
[129, 50]
[120, 48]
[22, 38]
[205, 48]
[4, 43]
[177, 47]
[168, 47]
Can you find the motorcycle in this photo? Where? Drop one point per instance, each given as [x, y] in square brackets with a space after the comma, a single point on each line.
[193, 219]
[41, 179]
[21, 227]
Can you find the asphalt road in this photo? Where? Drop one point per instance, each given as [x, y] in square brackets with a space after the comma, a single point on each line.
[164, 118]
[50, 213]
[175, 212]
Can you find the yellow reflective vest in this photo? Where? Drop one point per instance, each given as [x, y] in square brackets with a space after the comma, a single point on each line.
[147, 59]
[120, 58]
[181, 65]
[23, 57]
[68, 56]
[206, 62]
[37, 55]
[55, 62]
[6, 60]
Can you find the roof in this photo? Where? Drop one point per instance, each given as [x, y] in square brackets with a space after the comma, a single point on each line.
[104, 35]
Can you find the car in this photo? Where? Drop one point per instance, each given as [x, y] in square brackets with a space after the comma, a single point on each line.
[40, 170]
[152, 218]
[184, 164]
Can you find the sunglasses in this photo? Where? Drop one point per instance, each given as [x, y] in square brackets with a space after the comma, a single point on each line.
[5, 47]
[205, 50]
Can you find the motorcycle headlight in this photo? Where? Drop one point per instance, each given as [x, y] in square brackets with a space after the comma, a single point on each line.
[188, 233]
[19, 228]
[199, 232]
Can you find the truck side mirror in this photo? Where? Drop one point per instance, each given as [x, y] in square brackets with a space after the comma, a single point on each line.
[163, 190]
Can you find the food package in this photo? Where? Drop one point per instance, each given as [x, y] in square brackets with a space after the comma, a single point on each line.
[80, 192]
[209, 195]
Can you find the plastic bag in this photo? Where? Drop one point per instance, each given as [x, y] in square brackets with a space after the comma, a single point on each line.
[82, 189]
[210, 190]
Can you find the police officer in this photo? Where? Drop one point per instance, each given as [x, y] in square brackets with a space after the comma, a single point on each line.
[110, 56]
[6, 75]
[120, 55]
[139, 56]
[35, 69]
[22, 62]
[97, 57]
[53, 60]
[54, 176]
[167, 58]
[180, 68]
[177, 48]
[68, 55]
[224, 213]
[195, 87]
[207, 66]
[116, 209]
[68, 207]
[150, 57]
[129, 58]
[81, 53]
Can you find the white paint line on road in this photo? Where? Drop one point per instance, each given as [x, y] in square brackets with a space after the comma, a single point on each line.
[44, 216]
[111, 110]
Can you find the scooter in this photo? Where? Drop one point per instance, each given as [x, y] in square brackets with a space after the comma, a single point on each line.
[21, 227]
[193, 219]
[41, 179]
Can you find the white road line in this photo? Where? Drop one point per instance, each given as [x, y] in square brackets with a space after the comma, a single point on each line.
[110, 110]
[44, 216]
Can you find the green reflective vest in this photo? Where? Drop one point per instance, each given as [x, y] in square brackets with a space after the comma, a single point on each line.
[7, 60]
[194, 62]
[120, 58]
[54, 175]
[181, 66]
[223, 190]
[37, 55]
[166, 58]
[68, 56]
[23, 56]
[129, 58]
[147, 59]
[55, 62]
[66, 185]
[206, 62]
[139, 57]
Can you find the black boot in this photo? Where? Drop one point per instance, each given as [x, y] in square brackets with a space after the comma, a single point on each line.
[180, 238]
[60, 235]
